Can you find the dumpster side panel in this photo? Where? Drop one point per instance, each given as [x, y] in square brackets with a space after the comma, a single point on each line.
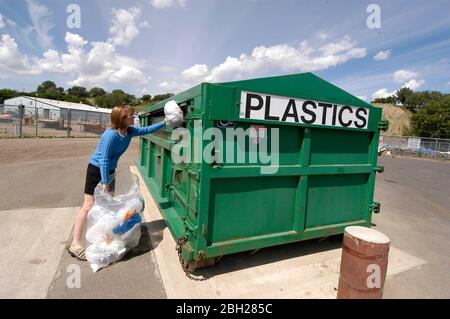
[331, 148]
[250, 207]
[334, 199]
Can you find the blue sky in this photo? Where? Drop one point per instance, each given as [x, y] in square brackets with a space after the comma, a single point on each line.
[157, 46]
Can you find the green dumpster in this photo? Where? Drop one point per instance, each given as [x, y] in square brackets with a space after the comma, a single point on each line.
[305, 170]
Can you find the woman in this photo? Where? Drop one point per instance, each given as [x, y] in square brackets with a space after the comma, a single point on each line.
[113, 143]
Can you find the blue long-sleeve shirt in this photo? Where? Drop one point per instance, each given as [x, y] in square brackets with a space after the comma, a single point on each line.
[112, 145]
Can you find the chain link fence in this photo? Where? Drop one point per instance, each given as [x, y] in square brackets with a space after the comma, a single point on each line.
[29, 121]
[414, 147]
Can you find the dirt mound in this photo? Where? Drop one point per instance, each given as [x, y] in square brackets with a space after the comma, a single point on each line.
[398, 119]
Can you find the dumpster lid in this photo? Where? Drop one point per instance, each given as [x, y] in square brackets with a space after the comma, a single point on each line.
[301, 85]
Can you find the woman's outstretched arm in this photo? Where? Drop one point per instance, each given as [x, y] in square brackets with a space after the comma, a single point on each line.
[138, 131]
[107, 145]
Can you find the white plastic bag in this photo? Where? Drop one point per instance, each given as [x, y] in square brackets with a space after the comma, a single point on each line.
[113, 226]
[174, 114]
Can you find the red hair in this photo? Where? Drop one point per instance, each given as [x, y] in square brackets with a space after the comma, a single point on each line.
[119, 116]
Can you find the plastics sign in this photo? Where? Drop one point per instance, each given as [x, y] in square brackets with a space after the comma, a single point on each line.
[259, 106]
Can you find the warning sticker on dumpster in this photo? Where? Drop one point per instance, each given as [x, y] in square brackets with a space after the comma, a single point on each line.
[259, 106]
[257, 133]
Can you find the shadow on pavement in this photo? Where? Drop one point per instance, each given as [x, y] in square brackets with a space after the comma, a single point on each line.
[249, 259]
[151, 236]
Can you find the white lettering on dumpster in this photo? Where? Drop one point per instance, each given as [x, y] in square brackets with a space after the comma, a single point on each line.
[258, 106]
[228, 145]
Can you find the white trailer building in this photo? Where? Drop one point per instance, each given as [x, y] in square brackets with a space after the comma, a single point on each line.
[51, 109]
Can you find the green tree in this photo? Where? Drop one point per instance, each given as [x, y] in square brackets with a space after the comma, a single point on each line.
[71, 98]
[146, 98]
[104, 101]
[390, 99]
[52, 93]
[403, 94]
[85, 101]
[422, 98]
[433, 120]
[7, 94]
[79, 91]
[97, 91]
[119, 97]
[46, 86]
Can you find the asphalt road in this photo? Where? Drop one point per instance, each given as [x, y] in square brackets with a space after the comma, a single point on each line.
[415, 214]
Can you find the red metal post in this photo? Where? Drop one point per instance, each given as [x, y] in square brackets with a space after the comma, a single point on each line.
[363, 264]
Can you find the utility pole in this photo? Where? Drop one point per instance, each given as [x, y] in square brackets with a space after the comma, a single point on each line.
[36, 114]
[21, 112]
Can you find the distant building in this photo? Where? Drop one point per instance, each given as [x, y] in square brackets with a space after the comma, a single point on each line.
[54, 110]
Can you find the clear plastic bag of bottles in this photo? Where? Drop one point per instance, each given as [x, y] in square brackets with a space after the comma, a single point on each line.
[113, 225]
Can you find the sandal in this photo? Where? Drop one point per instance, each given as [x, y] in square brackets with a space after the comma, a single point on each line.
[78, 253]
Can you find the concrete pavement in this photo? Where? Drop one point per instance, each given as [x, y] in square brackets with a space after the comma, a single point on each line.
[31, 244]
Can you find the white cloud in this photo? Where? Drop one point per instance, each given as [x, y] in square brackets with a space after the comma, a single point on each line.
[128, 74]
[382, 93]
[282, 57]
[93, 64]
[414, 84]
[2, 22]
[382, 55]
[102, 65]
[286, 58]
[144, 24]
[162, 4]
[124, 28]
[322, 36]
[172, 87]
[98, 65]
[408, 78]
[11, 59]
[74, 41]
[51, 62]
[40, 17]
[402, 76]
[196, 72]
[337, 47]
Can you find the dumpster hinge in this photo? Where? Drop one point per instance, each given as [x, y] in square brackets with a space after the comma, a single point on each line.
[375, 207]
[379, 169]
[190, 117]
[383, 125]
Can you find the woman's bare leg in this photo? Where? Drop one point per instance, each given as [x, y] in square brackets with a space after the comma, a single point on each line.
[80, 222]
